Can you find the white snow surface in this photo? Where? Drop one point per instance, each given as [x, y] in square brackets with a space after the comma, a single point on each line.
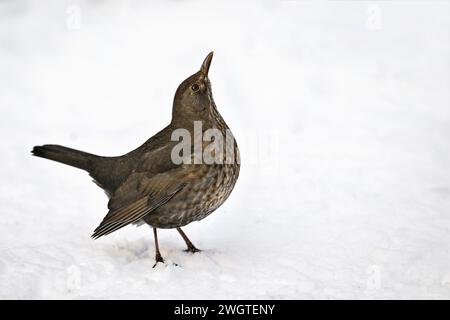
[341, 110]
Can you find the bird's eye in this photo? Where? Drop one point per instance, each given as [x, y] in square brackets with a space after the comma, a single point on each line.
[195, 87]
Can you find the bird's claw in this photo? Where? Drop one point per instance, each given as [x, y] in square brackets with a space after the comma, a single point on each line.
[192, 250]
[158, 259]
[173, 263]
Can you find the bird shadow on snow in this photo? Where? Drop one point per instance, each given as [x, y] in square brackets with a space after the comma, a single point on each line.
[126, 252]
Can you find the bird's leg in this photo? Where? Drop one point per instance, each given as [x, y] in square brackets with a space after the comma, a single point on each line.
[190, 245]
[158, 257]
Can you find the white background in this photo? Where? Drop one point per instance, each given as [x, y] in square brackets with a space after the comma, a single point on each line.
[341, 110]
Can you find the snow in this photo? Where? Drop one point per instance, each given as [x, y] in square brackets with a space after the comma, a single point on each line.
[341, 110]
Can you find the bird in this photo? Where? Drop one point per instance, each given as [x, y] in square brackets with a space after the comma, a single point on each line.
[149, 185]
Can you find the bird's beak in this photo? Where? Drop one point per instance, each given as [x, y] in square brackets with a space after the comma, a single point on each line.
[206, 63]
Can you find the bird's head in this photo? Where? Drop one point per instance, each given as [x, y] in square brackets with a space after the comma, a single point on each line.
[193, 98]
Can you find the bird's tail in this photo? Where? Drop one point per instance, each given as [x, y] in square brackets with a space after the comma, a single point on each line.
[71, 157]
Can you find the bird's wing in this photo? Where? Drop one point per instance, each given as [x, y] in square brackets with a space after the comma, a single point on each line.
[138, 196]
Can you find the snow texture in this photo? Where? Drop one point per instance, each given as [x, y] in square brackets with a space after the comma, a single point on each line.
[342, 114]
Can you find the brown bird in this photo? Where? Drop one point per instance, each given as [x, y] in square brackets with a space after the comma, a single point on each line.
[158, 183]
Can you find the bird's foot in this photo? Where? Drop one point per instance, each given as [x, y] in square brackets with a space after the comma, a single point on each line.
[192, 249]
[164, 263]
[158, 259]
